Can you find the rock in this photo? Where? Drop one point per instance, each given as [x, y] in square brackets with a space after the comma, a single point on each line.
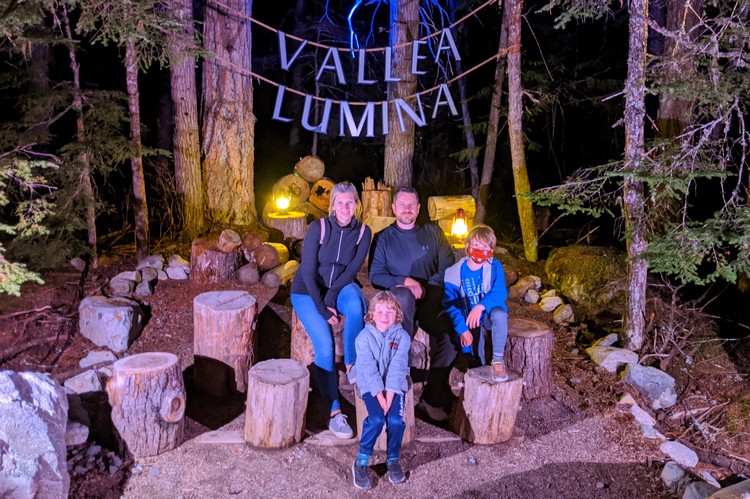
[145, 288]
[655, 385]
[627, 399]
[162, 276]
[607, 341]
[651, 433]
[110, 322]
[121, 287]
[248, 274]
[593, 278]
[550, 303]
[153, 261]
[737, 491]
[524, 284]
[550, 293]
[149, 274]
[178, 261]
[642, 416]
[563, 315]
[611, 358]
[131, 275]
[78, 264]
[672, 475]
[709, 478]
[680, 454]
[85, 382]
[97, 357]
[33, 420]
[531, 296]
[76, 434]
[699, 490]
[177, 273]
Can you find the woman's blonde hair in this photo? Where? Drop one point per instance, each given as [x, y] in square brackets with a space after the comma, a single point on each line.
[341, 188]
[390, 300]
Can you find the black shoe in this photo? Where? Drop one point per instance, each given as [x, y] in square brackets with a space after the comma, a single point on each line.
[395, 472]
[361, 477]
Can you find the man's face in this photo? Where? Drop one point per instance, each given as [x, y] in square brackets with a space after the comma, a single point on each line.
[406, 208]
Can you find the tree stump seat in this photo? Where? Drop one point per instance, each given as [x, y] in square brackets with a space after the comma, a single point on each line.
[381, 442]
[529, 351]
[209, 264]
[291, 224]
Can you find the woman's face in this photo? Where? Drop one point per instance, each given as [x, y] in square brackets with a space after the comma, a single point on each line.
[344, 206]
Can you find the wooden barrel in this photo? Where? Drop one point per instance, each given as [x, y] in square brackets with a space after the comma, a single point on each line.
[294, 186]
[320, 194]
[310, 168]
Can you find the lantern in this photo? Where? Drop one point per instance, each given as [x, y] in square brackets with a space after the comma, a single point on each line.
[460, 225]
[282, 200]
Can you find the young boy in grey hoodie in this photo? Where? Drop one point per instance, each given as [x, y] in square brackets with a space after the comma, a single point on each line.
[382, 367]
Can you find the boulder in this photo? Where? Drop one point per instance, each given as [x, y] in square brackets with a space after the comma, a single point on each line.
[524, 284]
[563, 314]
[33, 420]
[672, 475]
[679, 453]
[737, 491]
[121, 287]
[655, 385]
[97, 357]
[153, 261]
[606, 341]
[550, 303]
[699, 490]
[531, 296]
[550, 292]
[162, 276]
[642, 416]
[110, 322]
[611, 358]
[76, 434]
[87, 381]
[593, 278]
[178, 273]
[144, 288]
[177, 261]
[149, 274]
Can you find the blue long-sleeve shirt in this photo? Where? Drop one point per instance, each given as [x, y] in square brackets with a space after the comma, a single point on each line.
[494, 293]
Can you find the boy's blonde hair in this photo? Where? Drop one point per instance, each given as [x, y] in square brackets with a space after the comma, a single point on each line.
[483, 234]
[390, 300]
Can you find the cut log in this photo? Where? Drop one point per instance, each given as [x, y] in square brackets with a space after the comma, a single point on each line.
[295, 248]
[444, 207]
[312, 211]
[276, 403]
[224, 340]
[292, 224]
[486, 410]
[320, 194]
[248, 274]
[147, 395]
[209, 264]
[281, 274]
[310, 168]
[376, 224]
[376, 204]
[229, 241]
[250, 241]
[269, 255]
[529, 351]
[381, 442]
[293, 186]
[301, 347]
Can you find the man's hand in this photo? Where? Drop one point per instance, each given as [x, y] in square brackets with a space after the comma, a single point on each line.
[333, 321]
[466, 339]
[415, 287]
[472, 320]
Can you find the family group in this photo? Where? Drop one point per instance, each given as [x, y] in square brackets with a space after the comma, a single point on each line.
[422, 286]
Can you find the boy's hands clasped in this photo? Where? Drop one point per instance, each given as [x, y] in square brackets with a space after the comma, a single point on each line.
[385, 399]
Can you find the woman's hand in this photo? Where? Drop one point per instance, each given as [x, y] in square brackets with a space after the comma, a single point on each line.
[334, 320]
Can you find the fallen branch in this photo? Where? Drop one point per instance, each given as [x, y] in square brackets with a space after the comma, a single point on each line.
[24, 312]
[11, 352]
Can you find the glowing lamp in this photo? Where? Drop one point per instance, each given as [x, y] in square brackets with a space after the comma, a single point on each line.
[460, 225]
[282, 202]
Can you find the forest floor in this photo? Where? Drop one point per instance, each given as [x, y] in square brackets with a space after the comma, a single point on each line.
[576, 443]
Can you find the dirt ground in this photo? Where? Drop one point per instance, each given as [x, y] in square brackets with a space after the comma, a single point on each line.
[576, 443]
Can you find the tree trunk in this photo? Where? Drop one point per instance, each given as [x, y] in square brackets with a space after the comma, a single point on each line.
[515, 130]
[140, 208]
[88, 189]
[229, 122]
[186, 140]
[488, 164]
[633, 189]
[399, 147]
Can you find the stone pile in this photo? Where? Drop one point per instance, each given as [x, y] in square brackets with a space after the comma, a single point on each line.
[141, 281]
[529, 289]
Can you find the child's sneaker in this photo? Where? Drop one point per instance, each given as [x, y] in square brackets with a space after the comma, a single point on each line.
[498, 372]
[360, 476]
[340, 427]
[395, 471]
[434, 413]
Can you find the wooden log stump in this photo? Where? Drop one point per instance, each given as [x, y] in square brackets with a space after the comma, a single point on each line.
[376, 224]
[444, 207]
[292, 224]
[310, 168]
[208, 264]
[229, 241]
[280, 275]
[320, 194]
[147, 396]
[529, 351]
[293, 186]
[301, 347]
[224, 340]
[276, 403]
[311, 210]
[486, 410]
[376, 200]
[270, 255]
[381, 442]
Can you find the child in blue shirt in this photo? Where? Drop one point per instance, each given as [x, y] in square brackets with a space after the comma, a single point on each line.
[475, 295]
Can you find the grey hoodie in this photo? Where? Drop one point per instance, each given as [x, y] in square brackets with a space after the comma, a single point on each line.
[382, 359]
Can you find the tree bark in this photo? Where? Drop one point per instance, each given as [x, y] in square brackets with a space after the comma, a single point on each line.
[488, 164]
[633, 189]
[186, 141]
[229, 122]
[140, 208]
[399, 147]
[515, 130]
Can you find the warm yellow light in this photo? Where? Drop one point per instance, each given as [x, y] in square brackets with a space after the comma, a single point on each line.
[460, 226]
[282, 202]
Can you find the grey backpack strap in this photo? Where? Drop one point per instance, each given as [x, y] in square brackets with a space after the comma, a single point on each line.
[322, 229]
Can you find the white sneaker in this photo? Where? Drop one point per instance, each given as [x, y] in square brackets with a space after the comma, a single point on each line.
[434, 413]
[340, 427]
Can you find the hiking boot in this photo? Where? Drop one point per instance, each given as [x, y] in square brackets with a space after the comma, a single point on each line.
[434, 413]
[498, 372]
[395, 471]
[340, 427]
[360, 476]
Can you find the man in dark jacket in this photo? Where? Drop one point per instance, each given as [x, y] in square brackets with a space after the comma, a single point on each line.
[409, 260]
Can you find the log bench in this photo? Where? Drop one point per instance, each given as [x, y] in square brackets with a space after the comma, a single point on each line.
[529, 351]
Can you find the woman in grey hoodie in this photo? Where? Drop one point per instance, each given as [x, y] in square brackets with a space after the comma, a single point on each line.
[382, 368]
